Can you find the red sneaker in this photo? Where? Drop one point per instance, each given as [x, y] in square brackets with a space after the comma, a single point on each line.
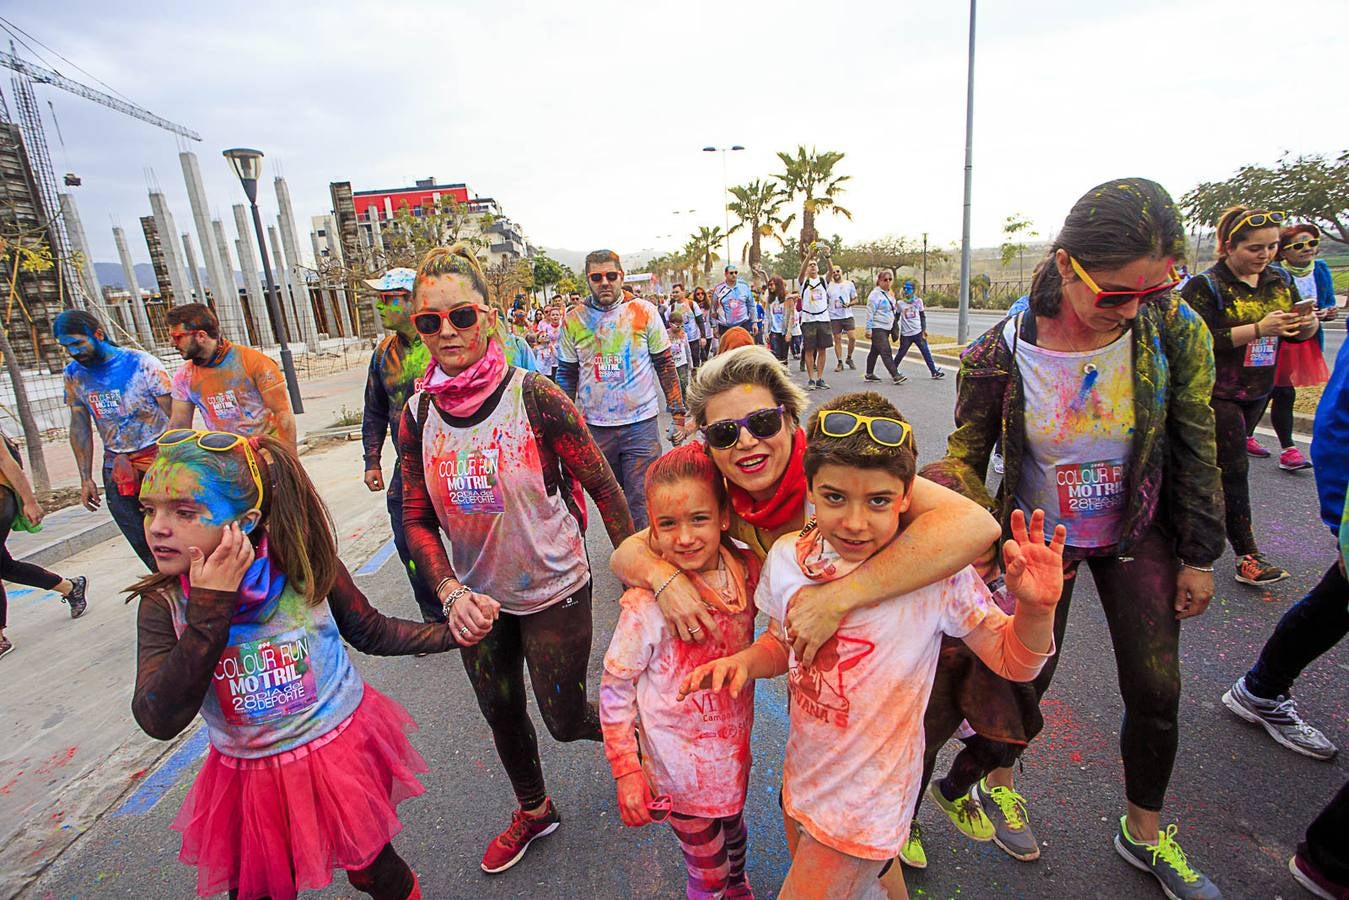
[1292, 460]
[1254, 448]
[509, 847]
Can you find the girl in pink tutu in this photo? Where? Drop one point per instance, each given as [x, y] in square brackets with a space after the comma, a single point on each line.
[244, 623]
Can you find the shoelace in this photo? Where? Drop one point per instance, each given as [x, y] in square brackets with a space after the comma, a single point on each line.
[1169, 850]
[969, 809]
[519, 823]
[1288, 708]
[1010, 803]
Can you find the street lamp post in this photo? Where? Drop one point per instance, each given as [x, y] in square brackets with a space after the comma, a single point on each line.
[247, 165]
[963, 320]
[725, 190]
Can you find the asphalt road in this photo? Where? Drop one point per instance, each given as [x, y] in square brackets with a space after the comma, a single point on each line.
[944, 321]
[1242, 802]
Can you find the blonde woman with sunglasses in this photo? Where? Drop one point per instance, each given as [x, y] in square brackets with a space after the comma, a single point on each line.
[1251, 307]
[482, 446]
[1100, 396]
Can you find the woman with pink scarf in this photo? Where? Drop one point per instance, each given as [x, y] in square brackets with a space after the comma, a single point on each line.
[484, 445]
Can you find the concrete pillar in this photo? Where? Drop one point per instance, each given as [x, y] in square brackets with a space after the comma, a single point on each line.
[194, 271]
[248, 257]
[335, 242]
[243, 334]
[138, 312]
[376, 239]
[388, 209]
[283, 284]
[179, 283]
[79, 243]
[286, 219]
[226, 297]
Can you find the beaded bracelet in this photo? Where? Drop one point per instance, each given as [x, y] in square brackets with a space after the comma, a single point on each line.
[1207, 569]
[667, 583]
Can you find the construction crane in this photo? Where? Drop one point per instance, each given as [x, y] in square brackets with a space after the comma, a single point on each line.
[35, 138]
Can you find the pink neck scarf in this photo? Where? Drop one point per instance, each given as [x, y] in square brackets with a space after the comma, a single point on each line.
[463, 394]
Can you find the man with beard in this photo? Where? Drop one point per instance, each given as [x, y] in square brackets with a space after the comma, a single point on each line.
[610, 359]
[238, 389]
[126, 394]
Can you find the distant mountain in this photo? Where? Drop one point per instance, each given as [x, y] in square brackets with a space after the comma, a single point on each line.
[111, 274]
[575, 259]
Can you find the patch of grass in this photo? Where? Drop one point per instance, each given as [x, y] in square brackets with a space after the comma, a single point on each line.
[347, 416]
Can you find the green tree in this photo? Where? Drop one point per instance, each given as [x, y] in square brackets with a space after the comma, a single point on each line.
[1308, 188]
[547, 271]
[1014, 230]
[810, 177]
[706, 241]
[758, 206]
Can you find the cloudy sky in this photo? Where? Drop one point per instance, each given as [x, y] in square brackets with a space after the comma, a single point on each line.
[586, 119]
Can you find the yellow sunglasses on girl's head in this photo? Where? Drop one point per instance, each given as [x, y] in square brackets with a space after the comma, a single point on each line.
[216, 442]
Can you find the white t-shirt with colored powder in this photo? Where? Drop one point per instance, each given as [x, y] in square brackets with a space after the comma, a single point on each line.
[617, 384]
[1079, 437]
[842, 295]
[814, 300]
[854, 761]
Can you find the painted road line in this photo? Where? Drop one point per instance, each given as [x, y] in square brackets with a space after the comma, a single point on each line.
[153, 789]
[378, 560]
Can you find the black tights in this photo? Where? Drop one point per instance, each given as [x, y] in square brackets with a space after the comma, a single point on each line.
[556, 645]
[1138, 598]
[1235, 419]
[12, 569]
[387, 878]
[1280, 403]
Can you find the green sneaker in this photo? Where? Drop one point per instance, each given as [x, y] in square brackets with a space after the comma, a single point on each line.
[1166, 862]
[965, 814]
[1006, 809]
[912, 853]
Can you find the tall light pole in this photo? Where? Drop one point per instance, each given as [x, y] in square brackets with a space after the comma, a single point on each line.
[924, 263]
[247, 165]
[725, 190]
[963, 323]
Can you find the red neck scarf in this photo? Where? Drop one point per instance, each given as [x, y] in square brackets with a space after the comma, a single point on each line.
[463, 394]
[788, 502]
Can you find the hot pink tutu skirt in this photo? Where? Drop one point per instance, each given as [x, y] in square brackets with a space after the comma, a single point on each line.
[274, 826]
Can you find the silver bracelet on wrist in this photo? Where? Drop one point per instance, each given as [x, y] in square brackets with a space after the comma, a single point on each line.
[667, 583]
[454, 595]
[1207, 569]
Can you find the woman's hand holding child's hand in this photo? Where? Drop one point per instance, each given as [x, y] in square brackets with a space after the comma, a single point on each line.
[472, 617]
[224, 569]
[1033, 571]
[727, 672]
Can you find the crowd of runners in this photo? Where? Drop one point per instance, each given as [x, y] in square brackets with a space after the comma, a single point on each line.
[906, 606]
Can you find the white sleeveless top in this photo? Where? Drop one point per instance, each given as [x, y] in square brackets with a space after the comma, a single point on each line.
[507, 537]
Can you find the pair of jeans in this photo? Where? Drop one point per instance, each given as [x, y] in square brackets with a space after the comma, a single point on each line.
[908, 340]
[778, 344]
[1311, 626]
[630, 450]
[126, 512]
[423, 593]
[880, 348]
[12, 569]
[555, 642]
[1235, 419]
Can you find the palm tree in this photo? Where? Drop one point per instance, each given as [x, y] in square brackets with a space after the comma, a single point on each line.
[707, 240]
[758, 206]
[810, 176]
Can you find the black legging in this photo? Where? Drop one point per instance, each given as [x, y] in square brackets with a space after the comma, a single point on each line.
[1235, 419]
[1311, 626]
[12, 569]
[880, 347]
[387, 878]
[1138, 598]
[1280, 403]
[556, 645]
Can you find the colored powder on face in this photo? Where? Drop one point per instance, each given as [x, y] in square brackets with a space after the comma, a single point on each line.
[184, 480]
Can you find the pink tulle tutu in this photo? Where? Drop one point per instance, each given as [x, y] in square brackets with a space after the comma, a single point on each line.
[274, 826]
